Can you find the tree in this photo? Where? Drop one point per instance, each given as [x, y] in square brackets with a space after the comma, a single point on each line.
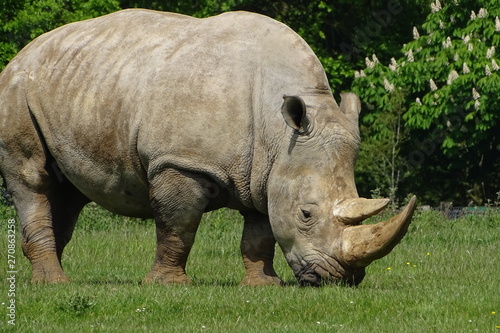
[22, 21]
[450, 81]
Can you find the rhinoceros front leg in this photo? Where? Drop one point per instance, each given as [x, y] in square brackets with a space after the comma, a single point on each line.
[257, 248]
[178, 201]
[38, 239]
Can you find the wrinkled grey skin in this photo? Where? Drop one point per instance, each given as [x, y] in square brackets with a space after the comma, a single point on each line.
[153, 114]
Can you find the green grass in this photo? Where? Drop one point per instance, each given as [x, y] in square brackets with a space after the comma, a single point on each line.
[443, 277]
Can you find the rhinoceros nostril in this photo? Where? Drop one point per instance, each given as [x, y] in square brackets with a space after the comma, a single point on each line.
[310, 279]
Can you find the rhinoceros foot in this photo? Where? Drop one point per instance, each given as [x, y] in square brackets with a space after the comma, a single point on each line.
[261, 280]
[48, 274]
[257, 248]
[156, 276]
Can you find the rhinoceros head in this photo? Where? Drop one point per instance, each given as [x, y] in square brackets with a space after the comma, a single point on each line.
[314, 208]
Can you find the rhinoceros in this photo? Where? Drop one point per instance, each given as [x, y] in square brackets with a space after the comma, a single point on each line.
[160, 115]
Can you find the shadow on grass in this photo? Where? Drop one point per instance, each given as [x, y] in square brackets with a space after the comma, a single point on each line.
[99, 281]
[106, 281]
[196, 282]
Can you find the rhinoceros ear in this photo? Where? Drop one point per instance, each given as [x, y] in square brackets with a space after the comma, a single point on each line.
[350, 105]
[294, 113]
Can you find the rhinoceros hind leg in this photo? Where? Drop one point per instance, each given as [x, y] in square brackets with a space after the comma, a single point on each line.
[47, 216]
[38, 241]
[257, 249]
[179, 200]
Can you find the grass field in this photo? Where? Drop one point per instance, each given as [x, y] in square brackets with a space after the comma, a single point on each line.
[443, 277]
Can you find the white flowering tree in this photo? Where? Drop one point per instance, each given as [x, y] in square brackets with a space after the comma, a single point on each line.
[439, 103]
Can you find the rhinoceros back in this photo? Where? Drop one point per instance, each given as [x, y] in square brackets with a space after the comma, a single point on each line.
[120, 97]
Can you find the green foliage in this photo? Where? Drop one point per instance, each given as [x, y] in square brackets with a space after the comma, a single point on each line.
[459, 57]
[22, 21]
[449, 81]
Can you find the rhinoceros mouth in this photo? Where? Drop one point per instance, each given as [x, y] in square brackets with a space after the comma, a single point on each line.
[310, 278]
[314, 273]
[307, 275]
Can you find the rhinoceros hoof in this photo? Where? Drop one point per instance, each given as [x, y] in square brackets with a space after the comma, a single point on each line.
[155, 277]
[49, 277]
[261, 281]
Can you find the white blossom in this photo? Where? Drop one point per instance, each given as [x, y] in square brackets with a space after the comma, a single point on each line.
[436, 7]
[472, 16]
[497, 24]
[362, 73]
[470, 47]
[388, 86]
[465, 68]
[441, 24]
[477, 104]
[494, 65]
[490, 52]
[482, 13]
[466, 39]
[357, 74]
[375, 59]
[409, 54]
[418, 101]
[475, 94]
[455, 57]
[452, 76]
[369, 63]
[393, 65]
[487, 70]
[447, 43]
[433, 85]
[416, 35]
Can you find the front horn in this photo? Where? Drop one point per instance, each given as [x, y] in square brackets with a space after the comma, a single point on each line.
[362, 244]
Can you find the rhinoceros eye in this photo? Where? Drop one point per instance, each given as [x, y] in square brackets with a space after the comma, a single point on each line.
[306, 215]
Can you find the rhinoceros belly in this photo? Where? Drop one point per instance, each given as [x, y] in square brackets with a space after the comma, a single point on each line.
[110, 181]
